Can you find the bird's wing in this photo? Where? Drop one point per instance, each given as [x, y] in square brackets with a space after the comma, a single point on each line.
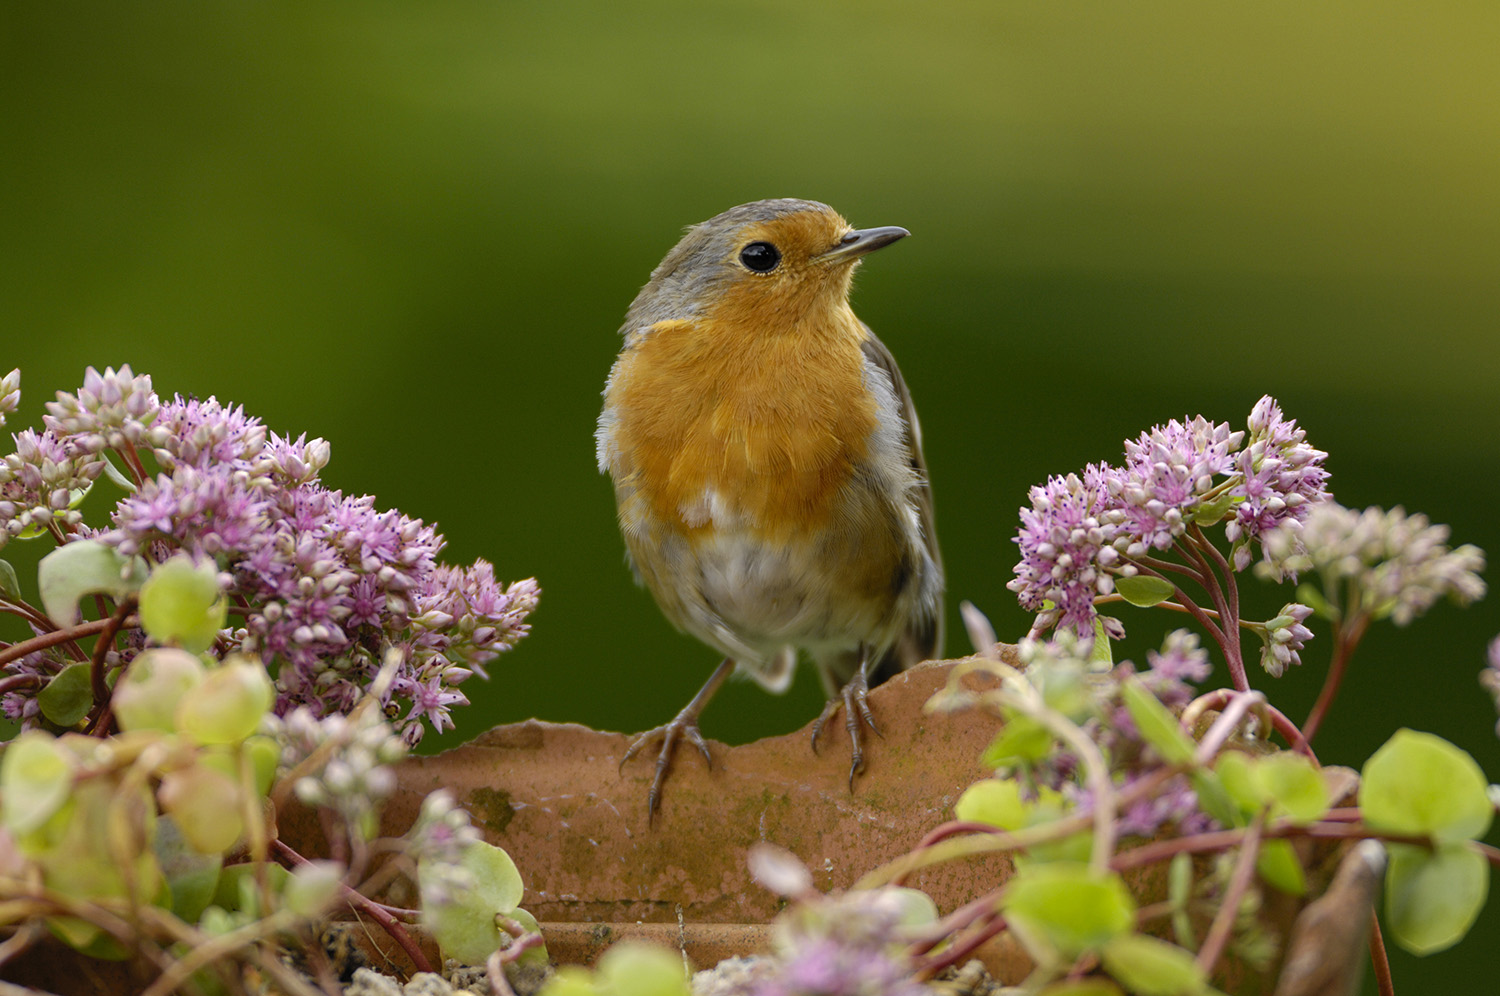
[923, 640]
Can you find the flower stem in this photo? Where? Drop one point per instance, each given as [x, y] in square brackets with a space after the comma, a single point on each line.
[1345, 641]
[1229, 907]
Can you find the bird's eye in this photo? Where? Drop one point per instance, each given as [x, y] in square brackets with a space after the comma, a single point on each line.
[761, 257]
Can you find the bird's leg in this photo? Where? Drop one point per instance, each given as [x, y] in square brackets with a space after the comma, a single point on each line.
[683, 726]
[854, 700]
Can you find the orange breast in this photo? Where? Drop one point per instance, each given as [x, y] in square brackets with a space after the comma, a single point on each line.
[769, 424]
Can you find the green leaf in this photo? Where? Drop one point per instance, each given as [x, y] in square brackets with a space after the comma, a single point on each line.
[116, 475]
[84, 567]
[1022, 740]
[147, 696]
[634, 968]
[1214, 799]
[1150, 967]
[10, 585]
[1277, 863]
[464, 924]
[531, 956]
[192, 876]
[206, 805]
[1237, 774]
[313, 887]
[67, 697]
[227, 706]
[238, 892]
[1180, 894]
[1065, 908]
[1211, 513]
[36, 775]
[1418, 783]
[1101, 654]
[1144, 590]
[1297, 789]
[570, 980]
[181, 604]
[994, 801]
[1082, 987]
[1433, 897]
[1158, 726]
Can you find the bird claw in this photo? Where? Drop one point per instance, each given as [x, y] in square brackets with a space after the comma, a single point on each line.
[854, 700]
[670, 734]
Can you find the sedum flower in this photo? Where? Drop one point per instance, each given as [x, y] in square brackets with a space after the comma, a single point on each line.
[1082, 532]
[113, 410]
[1397, 565]
[1489, 678]
[1284, 639]
[10, 393]
[40, 483]
[327, 583]
[355, 776]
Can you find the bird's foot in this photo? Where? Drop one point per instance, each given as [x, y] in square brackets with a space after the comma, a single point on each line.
[854, 700]
[684, 726]
[670, 734]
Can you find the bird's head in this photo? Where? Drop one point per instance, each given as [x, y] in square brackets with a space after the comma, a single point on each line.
[772, 261]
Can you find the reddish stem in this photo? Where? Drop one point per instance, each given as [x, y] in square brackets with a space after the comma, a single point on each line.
[361, 904]
[1343, 649]
[1239, 881]
[18, 650]
[101, 649]
[16, 682]
[1379, 959]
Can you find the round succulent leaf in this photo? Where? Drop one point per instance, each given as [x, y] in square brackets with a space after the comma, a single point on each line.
[1157, 725]
[238, 891]
[570, 980]
[1433, 897]
[1296, 788]
[1214, 799]
[532, 956]
[206, 805]
[464, 926]
[192, 876]
[265, 755]
[227, 706]
[1147, 966]
[146, 696]
[1277, 864]
[36, 777]
[86, 938]
[1144, 590]
[84, 567]
[181, 604]
[1075, 908]
[1022, 740]
[996, 801]
[1237, 773]
[634, 968]
[313, 887]
[1418, 783]
[1082, 987]
[10, 584]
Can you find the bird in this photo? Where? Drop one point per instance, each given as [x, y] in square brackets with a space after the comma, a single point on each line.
[767, 466]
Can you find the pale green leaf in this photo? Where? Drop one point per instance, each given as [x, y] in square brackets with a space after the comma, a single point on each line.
[1144, 590]
[1433, 897]
[1418, 783]
[84, 567]
[66, 699]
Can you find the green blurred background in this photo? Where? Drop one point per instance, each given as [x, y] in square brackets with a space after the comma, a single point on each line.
[413, 229]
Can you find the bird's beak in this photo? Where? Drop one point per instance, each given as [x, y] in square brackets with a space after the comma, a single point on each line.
[860, 241]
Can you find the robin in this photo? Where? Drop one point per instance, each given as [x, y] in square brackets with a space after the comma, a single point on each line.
[767, 465]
